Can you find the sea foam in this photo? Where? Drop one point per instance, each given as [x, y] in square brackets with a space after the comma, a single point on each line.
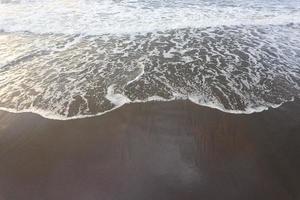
[74, 59]
[118, 17]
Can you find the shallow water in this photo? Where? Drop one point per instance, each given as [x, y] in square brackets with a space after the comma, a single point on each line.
[69, 59]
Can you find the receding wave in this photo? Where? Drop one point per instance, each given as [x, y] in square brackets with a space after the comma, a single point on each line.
[73, 59]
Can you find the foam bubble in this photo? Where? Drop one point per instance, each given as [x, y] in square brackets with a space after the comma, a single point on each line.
[93, 17]
[117, 99]
[244, 62]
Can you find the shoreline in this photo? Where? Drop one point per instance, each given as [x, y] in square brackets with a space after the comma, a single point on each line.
[48, 115]
[155, 150]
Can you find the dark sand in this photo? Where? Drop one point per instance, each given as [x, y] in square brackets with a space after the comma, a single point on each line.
[152, 151]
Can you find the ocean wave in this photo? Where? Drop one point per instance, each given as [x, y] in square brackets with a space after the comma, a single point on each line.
[50, 115]
[235, 69]
[85, 58]
[92, 17]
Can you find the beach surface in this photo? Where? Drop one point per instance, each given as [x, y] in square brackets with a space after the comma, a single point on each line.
[155, 150]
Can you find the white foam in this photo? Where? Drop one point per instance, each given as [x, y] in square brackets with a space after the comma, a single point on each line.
[115, 98]
[50, 115]
[112, 17]
[249, 110]
[52, 73]
[72, 74]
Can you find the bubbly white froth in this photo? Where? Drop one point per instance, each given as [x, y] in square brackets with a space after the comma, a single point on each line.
[94, 17]
[71, 59]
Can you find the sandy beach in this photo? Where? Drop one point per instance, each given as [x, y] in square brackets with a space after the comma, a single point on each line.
[155, 150]
[149, 100]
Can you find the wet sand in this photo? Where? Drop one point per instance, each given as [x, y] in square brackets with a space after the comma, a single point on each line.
[152, 151]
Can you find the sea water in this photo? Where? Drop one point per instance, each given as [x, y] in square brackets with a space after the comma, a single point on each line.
[67, 59]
